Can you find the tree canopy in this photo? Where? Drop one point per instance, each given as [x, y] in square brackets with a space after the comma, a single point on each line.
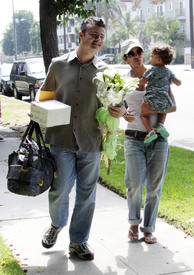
[24, 20]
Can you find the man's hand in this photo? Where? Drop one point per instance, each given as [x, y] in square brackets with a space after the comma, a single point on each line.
[117, 111]
[37, 96]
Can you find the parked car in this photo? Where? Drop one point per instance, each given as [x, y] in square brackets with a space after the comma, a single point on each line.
[26, 77]
[5, 80]
[108, 58]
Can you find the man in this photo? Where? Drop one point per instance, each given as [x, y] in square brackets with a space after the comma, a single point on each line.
[76, 147]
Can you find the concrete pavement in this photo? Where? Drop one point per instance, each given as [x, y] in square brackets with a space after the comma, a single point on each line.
[23, 220]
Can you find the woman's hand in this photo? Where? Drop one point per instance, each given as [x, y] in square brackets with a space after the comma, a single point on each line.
[129, 116]
[117, 112]
[173, 108]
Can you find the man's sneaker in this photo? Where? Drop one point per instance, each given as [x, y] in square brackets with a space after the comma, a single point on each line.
[82, 250]
[50, 236]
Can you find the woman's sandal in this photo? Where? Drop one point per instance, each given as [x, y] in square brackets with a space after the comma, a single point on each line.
[150, 137]
[162, 130]
[133, 236]
[149, 238]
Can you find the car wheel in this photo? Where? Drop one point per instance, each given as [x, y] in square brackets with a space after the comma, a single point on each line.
[32, 93]
[16, 94]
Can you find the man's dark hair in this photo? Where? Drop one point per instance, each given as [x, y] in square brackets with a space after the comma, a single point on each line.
[92, 20]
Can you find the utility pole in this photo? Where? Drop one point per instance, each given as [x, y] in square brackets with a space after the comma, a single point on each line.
[191, 32]
[14, 28]
[64, 34]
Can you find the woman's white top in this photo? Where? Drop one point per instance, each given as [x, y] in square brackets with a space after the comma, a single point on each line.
[134, 101]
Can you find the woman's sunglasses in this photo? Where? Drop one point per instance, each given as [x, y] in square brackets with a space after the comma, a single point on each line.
[131, 54]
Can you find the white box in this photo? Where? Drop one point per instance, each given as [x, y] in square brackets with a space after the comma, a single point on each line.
[50, 113]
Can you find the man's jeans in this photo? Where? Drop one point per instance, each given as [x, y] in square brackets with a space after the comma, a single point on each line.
[145, 162]
[83, 169]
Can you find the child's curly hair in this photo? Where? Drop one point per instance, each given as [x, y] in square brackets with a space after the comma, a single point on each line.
[165, 52]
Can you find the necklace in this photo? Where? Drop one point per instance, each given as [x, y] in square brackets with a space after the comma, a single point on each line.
[138, 73]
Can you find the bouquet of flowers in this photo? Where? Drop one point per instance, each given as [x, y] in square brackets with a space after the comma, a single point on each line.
[112, 88]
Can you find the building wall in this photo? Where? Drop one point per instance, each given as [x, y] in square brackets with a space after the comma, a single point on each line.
[172, 9]
[66, 36]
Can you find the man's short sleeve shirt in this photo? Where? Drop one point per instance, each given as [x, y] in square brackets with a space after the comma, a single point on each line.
[73, 84]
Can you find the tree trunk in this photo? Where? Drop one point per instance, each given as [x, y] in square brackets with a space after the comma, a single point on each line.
[48, 32]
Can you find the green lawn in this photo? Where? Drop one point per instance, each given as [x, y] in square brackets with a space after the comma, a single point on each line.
[14, 112]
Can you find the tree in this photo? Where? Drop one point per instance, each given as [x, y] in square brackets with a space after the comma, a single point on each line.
[107, 11]
[35, 41]
[23, 21]
[164, 30]
[49, 10]
[125, 25]
[7, 42]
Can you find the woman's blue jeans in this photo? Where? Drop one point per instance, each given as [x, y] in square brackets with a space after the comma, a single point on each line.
[144, 163]
[82, 169]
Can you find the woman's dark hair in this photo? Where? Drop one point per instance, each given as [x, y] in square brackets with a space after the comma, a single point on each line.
[165, 52]
[92, 20]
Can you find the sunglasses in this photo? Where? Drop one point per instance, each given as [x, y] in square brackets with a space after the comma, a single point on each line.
[131, 54]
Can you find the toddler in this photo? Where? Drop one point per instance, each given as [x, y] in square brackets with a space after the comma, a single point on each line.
[157, 98]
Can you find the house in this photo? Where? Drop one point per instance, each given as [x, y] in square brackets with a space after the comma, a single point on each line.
[66, 36]
[170, 9]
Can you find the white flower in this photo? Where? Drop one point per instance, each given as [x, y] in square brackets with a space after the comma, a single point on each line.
[112, 87]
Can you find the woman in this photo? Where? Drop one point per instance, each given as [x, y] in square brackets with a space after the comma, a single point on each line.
[144, 162]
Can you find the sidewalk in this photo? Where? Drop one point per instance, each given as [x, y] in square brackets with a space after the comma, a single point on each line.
[23, 220]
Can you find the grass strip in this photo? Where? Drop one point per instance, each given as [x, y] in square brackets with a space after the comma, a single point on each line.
[14, 112]
[8, 264]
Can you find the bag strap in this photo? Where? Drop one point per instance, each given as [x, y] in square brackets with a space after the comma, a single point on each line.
[33, 126]
[28, 131]
[39, 137]
[39, 133]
